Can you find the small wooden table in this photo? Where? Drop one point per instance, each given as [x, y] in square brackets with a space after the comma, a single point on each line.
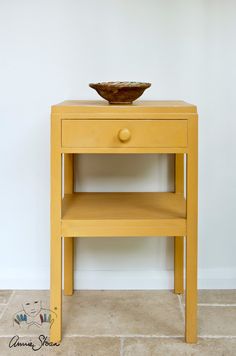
[145, 127]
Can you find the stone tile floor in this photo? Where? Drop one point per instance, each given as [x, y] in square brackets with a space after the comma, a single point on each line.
[124, 323]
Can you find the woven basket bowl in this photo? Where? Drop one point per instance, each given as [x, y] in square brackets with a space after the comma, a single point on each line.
[120, 93]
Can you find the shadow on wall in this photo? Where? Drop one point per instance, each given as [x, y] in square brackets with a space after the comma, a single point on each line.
[124, 172]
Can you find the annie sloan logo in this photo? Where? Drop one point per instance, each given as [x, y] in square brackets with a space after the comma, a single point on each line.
[35, 346]
[33, 316]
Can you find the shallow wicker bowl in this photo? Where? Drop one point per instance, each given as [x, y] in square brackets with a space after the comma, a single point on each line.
[120, 93]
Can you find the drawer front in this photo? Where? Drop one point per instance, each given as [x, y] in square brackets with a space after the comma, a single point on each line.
[124, 133]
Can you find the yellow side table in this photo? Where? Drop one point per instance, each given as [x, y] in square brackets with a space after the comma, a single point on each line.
[145, 127]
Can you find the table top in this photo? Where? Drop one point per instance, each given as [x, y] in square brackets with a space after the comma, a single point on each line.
[148, 106]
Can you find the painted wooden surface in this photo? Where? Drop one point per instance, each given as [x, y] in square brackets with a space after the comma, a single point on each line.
[138, 108]
[191, 240]
[152, 128]
[123, 214]
[68, 241]
[179, 240]
[106, 133]
[56, 238]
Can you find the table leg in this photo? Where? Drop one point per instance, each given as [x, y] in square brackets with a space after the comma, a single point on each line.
[68, 241]
[179, 240]
[56, 286]
[68, 265]
[178, 264]
[56, 239]
[191, 239]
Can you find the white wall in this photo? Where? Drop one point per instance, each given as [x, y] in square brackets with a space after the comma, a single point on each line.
[50, 51]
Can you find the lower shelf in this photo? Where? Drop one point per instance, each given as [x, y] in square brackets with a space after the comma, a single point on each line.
[123, 214]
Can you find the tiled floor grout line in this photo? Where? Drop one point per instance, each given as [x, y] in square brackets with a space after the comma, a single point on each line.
[106, 336]
[201, 304]
[181, 307]
[126, 336]
[217, 336]
[214, 305]
[122, 346]
[6, 305]
[12, 292]
[135, 336]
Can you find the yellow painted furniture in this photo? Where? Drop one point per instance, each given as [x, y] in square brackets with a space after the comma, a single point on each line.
[145, 127]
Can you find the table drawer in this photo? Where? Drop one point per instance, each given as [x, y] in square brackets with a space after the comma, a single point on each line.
[124, 133]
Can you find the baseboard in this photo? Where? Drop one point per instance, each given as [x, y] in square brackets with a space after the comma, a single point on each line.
[117, 280]
[217, 278]
[124, 280]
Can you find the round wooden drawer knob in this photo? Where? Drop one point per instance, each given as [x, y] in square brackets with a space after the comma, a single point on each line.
[124, 135]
